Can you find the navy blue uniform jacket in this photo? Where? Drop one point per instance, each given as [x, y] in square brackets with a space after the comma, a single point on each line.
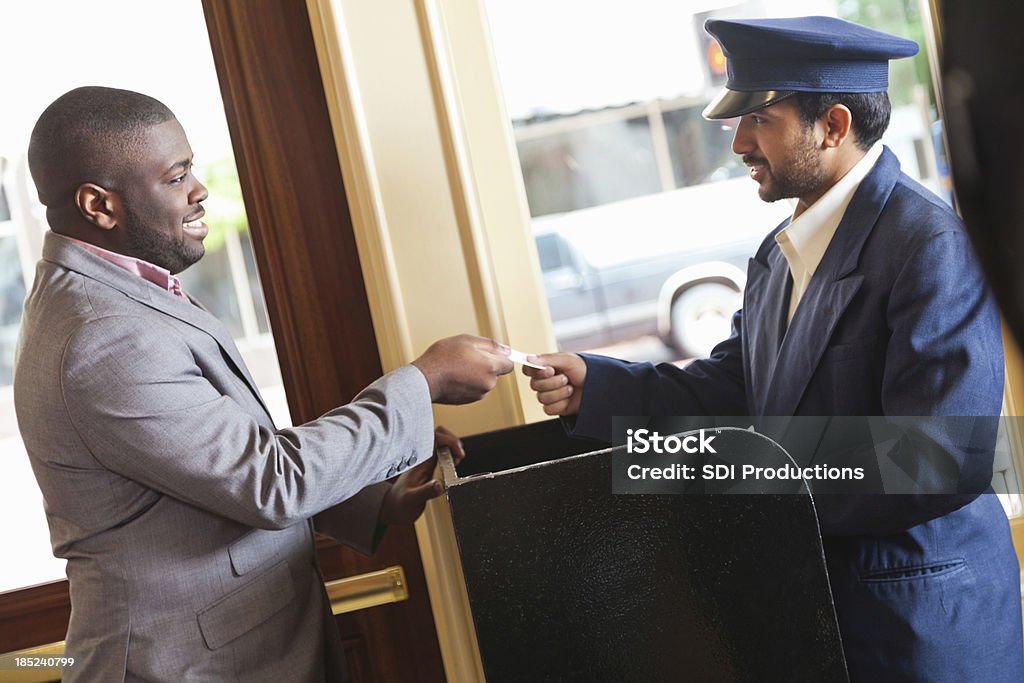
[897, 320]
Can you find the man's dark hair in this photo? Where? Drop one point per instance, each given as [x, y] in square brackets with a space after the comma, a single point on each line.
[871, 111]
[88, 135]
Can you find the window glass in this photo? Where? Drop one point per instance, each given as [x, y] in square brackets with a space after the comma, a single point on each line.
[549, 253]
[617, 161]
[245, 243]
[210, 281]
[574, 167]
[701, 151]
[162, 50]
[5, 210]
[12, 294]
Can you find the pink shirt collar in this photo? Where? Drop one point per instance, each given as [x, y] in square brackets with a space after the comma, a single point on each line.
[161, 277]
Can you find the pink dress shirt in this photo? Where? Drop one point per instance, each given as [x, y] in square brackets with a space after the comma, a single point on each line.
[161, 277]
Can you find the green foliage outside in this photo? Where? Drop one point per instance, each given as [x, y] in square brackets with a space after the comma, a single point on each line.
[224, 207]
[901, 18]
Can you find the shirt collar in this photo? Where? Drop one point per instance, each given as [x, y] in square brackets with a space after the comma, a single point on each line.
[161, 277]
[809, 234]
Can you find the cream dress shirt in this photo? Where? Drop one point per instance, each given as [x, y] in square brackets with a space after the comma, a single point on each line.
[803, 242]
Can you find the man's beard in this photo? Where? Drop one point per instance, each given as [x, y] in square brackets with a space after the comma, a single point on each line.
[798, 175]
[158, 248]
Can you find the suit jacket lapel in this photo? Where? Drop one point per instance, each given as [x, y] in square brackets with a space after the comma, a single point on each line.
[70, 256]
[198, 317]
[829, 292]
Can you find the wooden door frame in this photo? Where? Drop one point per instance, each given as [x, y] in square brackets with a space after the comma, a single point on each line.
[309, 267]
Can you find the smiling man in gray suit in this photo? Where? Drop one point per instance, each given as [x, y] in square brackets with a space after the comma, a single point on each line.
[184, 514]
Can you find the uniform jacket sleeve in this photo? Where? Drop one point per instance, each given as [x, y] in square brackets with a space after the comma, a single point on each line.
[711, 386]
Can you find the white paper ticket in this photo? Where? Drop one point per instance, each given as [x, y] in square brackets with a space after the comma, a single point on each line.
[520, 357]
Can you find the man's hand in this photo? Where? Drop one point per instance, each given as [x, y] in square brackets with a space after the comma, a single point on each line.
[443, 437]
[410, 491]
[462, 369]
[559, 385]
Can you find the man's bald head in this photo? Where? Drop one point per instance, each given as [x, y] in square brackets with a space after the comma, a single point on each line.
[88, 135]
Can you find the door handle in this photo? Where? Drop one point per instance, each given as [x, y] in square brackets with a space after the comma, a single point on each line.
[367, 590]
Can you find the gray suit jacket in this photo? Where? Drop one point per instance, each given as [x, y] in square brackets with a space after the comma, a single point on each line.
[183, 513]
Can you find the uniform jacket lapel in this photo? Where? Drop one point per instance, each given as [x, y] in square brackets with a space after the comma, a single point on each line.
[767, 292]
[828, 294]
[72, 257]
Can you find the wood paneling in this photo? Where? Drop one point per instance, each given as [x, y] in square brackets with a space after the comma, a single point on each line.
[34, 616]
[294, 197]
[395, 642]
[305, 250]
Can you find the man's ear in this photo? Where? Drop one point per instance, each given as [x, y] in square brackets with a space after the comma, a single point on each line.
[838, 123]
[96, 205]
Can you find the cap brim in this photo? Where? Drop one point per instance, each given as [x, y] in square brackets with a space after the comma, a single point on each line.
[732, 103]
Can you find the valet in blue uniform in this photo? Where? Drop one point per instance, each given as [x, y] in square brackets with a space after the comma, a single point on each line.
[868, 301]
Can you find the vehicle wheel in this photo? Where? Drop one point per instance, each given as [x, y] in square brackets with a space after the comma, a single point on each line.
[701, 316]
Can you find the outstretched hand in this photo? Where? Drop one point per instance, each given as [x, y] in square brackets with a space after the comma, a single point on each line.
[463, 368]
[559, 385]
[410, 491]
